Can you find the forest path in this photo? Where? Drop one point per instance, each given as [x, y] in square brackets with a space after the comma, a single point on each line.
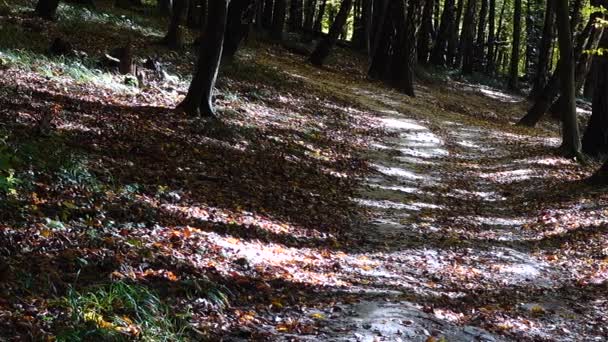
[451, 253]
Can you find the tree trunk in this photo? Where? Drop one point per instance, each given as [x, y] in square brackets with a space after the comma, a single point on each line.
[404, 54]
[198, 101]
[514, 67]
[425, 32]
[544, 55]
[595, 139]
[164, 7]
[237, 26]
[439, 53]
[380, 47]
[323, 49]
[453, 52]
[268, 9]
[583, 63]
[491, 38]
[499, 35]
[480, 54]
[278, 19]
[545, 98]
[295, 15]
[318, 28]
[467, 38]
[571, 141]
[46, 9]
[601, 176]
[309, 15]
[174, 38]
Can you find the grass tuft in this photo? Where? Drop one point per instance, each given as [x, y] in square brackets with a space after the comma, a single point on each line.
[119, 312]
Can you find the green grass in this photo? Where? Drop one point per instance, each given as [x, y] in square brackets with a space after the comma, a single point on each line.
[120, 312]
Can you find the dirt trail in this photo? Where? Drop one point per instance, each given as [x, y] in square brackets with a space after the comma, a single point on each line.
[450, 253]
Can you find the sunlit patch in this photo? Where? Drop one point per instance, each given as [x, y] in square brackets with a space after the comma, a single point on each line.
[499, 95]
[510, 176]
[397, 172]
[402, 124]
[383, 204]
[404, 189]
[490, 196]
[548, 161]
[217, 215]
[499, 221]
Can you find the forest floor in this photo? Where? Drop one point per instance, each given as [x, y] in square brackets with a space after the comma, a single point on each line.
[321, 206]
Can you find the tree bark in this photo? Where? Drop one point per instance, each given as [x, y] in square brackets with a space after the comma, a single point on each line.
[278, 19]
[295, 15]
[595, 139]
[545, 98]
[323, 49]
[237, 26]
[544, 54]
[452, 55]
[491, 38]
[466, 54]
[309, 15]
[174, 38]
[380, 47]
[425, 32]
[514, 66]
[480, 54]
[268, 9]
[571, 142]
[404, 54]
[198, 101]
[439, 53]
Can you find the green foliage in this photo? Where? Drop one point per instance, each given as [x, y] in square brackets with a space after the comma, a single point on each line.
[119, 312]
[8, 161]
[89, 21]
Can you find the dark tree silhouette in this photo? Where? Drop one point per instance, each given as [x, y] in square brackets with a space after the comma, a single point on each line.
[198, 101]
[514, 66]
[324, 47]
[46, 9]
[571, 142]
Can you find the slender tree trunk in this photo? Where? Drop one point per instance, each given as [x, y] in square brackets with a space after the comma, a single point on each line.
[198, 101]
[268, 13]
[174, 38]
[425, 33]
[309, 17]
[467, 38]
[439, 53]
[491, 38]
[514, 68]
[499, 34]
[402, 62]
[46, 9]
[380, 47]
[237, 26]
[453, 41]
[164, 7]
[480, 54]
[295, 15]
[323, 49]
[571, 141]
[595, 139]
[278, 19]
[544, 55]
[545, 98]
[583, 63]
